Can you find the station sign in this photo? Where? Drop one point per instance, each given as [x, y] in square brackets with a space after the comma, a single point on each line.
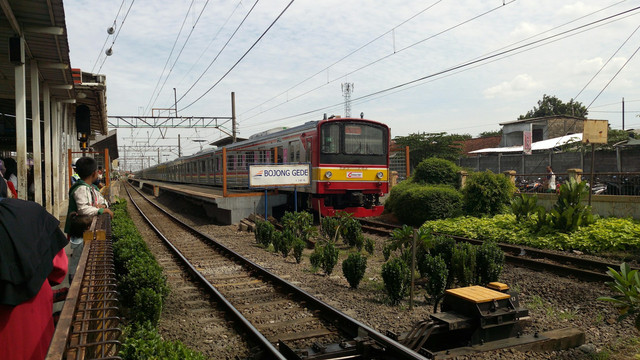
[276, 175]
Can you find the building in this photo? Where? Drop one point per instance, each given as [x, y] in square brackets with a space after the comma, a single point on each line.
[542, 128]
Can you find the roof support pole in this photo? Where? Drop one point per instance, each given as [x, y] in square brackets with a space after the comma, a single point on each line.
[46, 103]
[21, 125]
[55, 135]
[35, 125]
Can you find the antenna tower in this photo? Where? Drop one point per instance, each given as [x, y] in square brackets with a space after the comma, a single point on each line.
[347, 89]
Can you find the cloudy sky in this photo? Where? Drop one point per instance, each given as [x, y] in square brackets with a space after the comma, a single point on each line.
[403, 58]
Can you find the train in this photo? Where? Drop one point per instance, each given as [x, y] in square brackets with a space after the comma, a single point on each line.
[349, 160]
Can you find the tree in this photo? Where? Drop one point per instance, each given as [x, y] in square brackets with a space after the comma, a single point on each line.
[424, 145]
[491, 133]
[551, 105]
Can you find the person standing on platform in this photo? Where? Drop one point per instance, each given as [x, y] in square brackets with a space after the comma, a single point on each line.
[11, 191]
[32, 257]
[84, 199]
[11, 174]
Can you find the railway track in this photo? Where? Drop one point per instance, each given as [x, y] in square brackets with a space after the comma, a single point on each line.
[285, 321]
[524, 256]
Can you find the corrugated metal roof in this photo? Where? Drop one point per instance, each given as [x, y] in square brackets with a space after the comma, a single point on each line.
[36, 20]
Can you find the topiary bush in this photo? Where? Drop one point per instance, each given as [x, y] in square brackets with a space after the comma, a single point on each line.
[147, 305]
[316, 257]
[298, 248]
[444, 247]
[396, 276]
[351, 231]
[286, 243]
[489, 262]
[369, 245]
[437, 171]
[391, 202]
[486, 193]
[421, 203]
[264, 232]
[329, 257]
[436, 271]
[353, 269]
[144, 342]
[330, 227]
[464, 263]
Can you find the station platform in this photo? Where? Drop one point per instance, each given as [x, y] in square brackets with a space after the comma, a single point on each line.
[229, 209]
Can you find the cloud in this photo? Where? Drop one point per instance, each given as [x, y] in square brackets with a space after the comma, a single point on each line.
[576, 9]
[518, 85]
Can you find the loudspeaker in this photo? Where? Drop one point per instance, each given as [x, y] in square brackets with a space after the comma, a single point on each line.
[16, 50]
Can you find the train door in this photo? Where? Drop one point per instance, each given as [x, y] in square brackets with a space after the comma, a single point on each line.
[293, 151]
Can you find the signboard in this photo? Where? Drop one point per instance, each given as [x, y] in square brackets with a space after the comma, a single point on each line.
[595, 131]
[526, 142]
[279, 175]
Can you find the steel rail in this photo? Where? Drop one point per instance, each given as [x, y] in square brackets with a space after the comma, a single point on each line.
[255, 334]
[353, 327]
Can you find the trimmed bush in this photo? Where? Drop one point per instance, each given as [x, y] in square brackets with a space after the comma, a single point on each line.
[489, 263]
[264, 232]
[437, 171]
[329, 258]
[288, 239]
[351, 231]
[444, 247]
[486, 193]
[369, 245]
[316, 258]
[329, 227]
[147, 305]
[464, 263]
[421, 203]
[353, 269]
[298, 248]
[436, 271]
[392, 200]
[146, 343]
[396, 276]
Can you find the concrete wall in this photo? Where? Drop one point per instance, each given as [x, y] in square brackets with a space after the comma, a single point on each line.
[603, 205]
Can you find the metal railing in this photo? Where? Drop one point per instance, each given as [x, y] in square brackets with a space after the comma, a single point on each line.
[605, 183]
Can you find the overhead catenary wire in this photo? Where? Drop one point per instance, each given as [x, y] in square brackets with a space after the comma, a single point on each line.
[379, 59]
[465, 64]
[242, 57]
[614, 76]
[118, 32]
[107, 38]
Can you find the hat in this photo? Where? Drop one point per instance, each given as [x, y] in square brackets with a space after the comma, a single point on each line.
[2, 168]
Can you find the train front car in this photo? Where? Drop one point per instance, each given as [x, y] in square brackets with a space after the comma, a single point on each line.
[350, 167]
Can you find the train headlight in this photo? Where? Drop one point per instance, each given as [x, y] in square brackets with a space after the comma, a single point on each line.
[328, 174]
[379, 174]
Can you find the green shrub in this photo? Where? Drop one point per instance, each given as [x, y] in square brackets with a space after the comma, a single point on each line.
[264, 232]
[330, 227]
[369, 245]
[568, 214]
[524, 205]
[426, 202]
[276, 240]
[386, 251]
[437, 171]
[316, 257]
[145, 343]
[464, 263]
[300, 224]
[489, 262]
[147, 305]
[486, 193]
[391, 202]
[351, 231]
[436, 271]
[329, 257]
[288, 239]
[444, 247]
[298, 248]
[141, 273]
[353, 269]
[626, 285]
[396, 277]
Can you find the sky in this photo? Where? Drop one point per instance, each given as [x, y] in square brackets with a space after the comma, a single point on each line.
[417, 66]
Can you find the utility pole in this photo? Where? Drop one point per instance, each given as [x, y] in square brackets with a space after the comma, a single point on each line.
[233, 116]
[175, 101]
[158, 155]
[347, 89]
[622, 113]
[179, 148]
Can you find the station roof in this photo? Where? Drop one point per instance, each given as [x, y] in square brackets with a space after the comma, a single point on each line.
[538, 145]
[42, 25]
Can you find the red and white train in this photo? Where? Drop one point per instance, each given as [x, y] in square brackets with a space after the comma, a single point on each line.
[349, 159]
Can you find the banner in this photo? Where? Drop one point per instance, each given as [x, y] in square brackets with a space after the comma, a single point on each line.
[526, 142]
[279, 175]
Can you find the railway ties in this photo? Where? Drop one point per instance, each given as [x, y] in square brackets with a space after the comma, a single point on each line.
[523, 256]
[271, 310]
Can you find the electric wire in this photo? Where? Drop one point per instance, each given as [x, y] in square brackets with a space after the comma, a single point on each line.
[467, 64]
[180, 52]
[384, 57]
[118, 33]
[175, 42]
[345, 56]
[606, 63]
[219, 52]
[614, 76]
[242, 57]
[107, 38]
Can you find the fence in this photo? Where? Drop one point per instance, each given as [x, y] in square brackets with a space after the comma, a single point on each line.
[614, 161]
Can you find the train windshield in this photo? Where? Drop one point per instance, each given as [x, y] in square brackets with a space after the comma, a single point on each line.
[353, 143]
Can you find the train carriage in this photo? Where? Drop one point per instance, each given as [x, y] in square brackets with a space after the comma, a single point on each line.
[349, 158]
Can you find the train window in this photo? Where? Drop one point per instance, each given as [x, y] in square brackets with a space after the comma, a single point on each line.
[363, 139]
[330, 142]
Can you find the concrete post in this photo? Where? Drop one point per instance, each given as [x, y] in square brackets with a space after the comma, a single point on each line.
[21, 126]
[463, 178]
[576, 174]
[511, 175]
[55, 129]
[46, 97]
[35, 125]
[393, 180]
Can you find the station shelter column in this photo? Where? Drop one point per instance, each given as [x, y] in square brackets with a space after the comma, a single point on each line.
[21, 124]
[48, 182]
[35, 126]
